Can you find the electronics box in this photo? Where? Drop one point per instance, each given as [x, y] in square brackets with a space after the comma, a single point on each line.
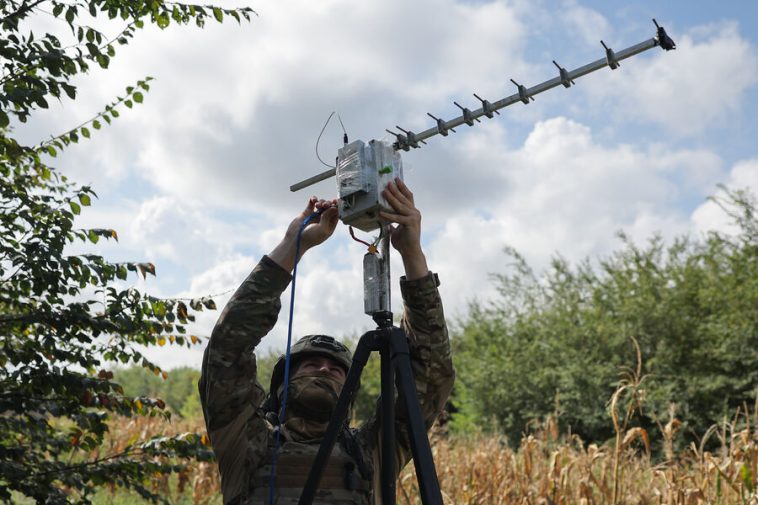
[363, 171]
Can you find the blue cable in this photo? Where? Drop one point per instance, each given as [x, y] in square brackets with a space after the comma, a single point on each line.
[287, 360]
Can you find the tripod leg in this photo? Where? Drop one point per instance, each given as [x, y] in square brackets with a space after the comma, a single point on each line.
[388, 426]
[362, 351]
[426, 473]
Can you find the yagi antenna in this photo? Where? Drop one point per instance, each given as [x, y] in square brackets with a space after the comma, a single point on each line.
[408, 139]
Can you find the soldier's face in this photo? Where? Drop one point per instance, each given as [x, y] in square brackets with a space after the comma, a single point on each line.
[312, 364]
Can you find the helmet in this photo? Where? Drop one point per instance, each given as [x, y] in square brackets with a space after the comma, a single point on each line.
[309, 345]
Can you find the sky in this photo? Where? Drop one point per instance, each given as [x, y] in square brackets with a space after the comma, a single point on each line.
[196, 178]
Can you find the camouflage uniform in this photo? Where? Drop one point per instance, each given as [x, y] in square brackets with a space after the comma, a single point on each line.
[232, 396]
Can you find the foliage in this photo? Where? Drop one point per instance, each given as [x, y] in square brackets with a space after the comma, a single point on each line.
[556, 343]
[64, 317]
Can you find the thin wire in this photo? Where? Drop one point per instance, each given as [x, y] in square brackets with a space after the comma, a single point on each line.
[352, 234]
[319, 139]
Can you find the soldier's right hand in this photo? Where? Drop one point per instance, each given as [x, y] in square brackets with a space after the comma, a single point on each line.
[317, 231]
[320, 227]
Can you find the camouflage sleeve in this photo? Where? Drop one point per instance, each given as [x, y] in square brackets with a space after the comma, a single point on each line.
[424, 323]
[229, 390]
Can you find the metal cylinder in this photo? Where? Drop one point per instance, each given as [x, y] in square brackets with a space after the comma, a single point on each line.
[375, 285]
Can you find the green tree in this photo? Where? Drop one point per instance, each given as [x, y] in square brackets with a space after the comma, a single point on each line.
[64, 320]
[179, 384]
[557, 342]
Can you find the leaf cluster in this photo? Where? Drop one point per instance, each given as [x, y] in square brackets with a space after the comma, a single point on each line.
[67, 318]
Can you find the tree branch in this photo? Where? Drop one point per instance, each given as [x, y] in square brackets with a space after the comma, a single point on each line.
[23, 10]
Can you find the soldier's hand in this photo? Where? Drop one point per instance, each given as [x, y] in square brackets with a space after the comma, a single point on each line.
[406, 236]
[316, 231]
[320, 227]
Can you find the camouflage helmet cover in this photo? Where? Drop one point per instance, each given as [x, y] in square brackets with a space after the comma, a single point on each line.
[310, 345]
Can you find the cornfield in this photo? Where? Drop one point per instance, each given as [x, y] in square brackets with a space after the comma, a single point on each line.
[546, 468]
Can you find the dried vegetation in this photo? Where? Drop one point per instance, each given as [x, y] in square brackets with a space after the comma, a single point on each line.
[546, 468]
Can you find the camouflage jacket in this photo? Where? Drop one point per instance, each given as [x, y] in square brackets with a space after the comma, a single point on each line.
[232, 395]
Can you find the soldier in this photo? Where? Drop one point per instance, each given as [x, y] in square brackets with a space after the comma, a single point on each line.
[241, 420]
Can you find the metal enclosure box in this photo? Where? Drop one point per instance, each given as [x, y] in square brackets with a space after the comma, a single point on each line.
[363, 171]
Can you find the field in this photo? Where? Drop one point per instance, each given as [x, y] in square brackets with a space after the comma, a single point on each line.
[547, 468]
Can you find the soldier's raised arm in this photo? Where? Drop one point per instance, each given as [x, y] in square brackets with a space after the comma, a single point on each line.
[230, 392]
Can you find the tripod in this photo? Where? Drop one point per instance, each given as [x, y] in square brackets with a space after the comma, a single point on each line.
[392, 344]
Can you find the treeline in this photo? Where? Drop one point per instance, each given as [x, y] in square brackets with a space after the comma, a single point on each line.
[557, 343]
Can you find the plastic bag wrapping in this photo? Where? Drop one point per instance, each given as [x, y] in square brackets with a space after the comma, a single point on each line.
[389, 167]
[350, 172]
[363, 172]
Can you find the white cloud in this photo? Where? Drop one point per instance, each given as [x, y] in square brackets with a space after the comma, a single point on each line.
[687, 91]
[710, 216]
[563, 191]
[587, 23]
[240, 129]
[196, 178]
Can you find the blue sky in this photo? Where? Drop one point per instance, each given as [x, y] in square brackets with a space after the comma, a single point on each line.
[195, 179]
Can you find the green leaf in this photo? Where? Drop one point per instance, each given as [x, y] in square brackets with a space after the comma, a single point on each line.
[163, 20]
[96, 124]
[85, 132]
[75, 208]
[69, 89]
[85, 199]
[51, 151]
[4, 120]
[138, 97]
[218, 14]
[93, 237]
[128, 103]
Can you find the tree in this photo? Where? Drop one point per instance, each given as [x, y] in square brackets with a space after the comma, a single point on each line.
[557, 343]
[63, 317]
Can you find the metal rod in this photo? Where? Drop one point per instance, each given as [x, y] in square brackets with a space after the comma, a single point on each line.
[313, 180]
